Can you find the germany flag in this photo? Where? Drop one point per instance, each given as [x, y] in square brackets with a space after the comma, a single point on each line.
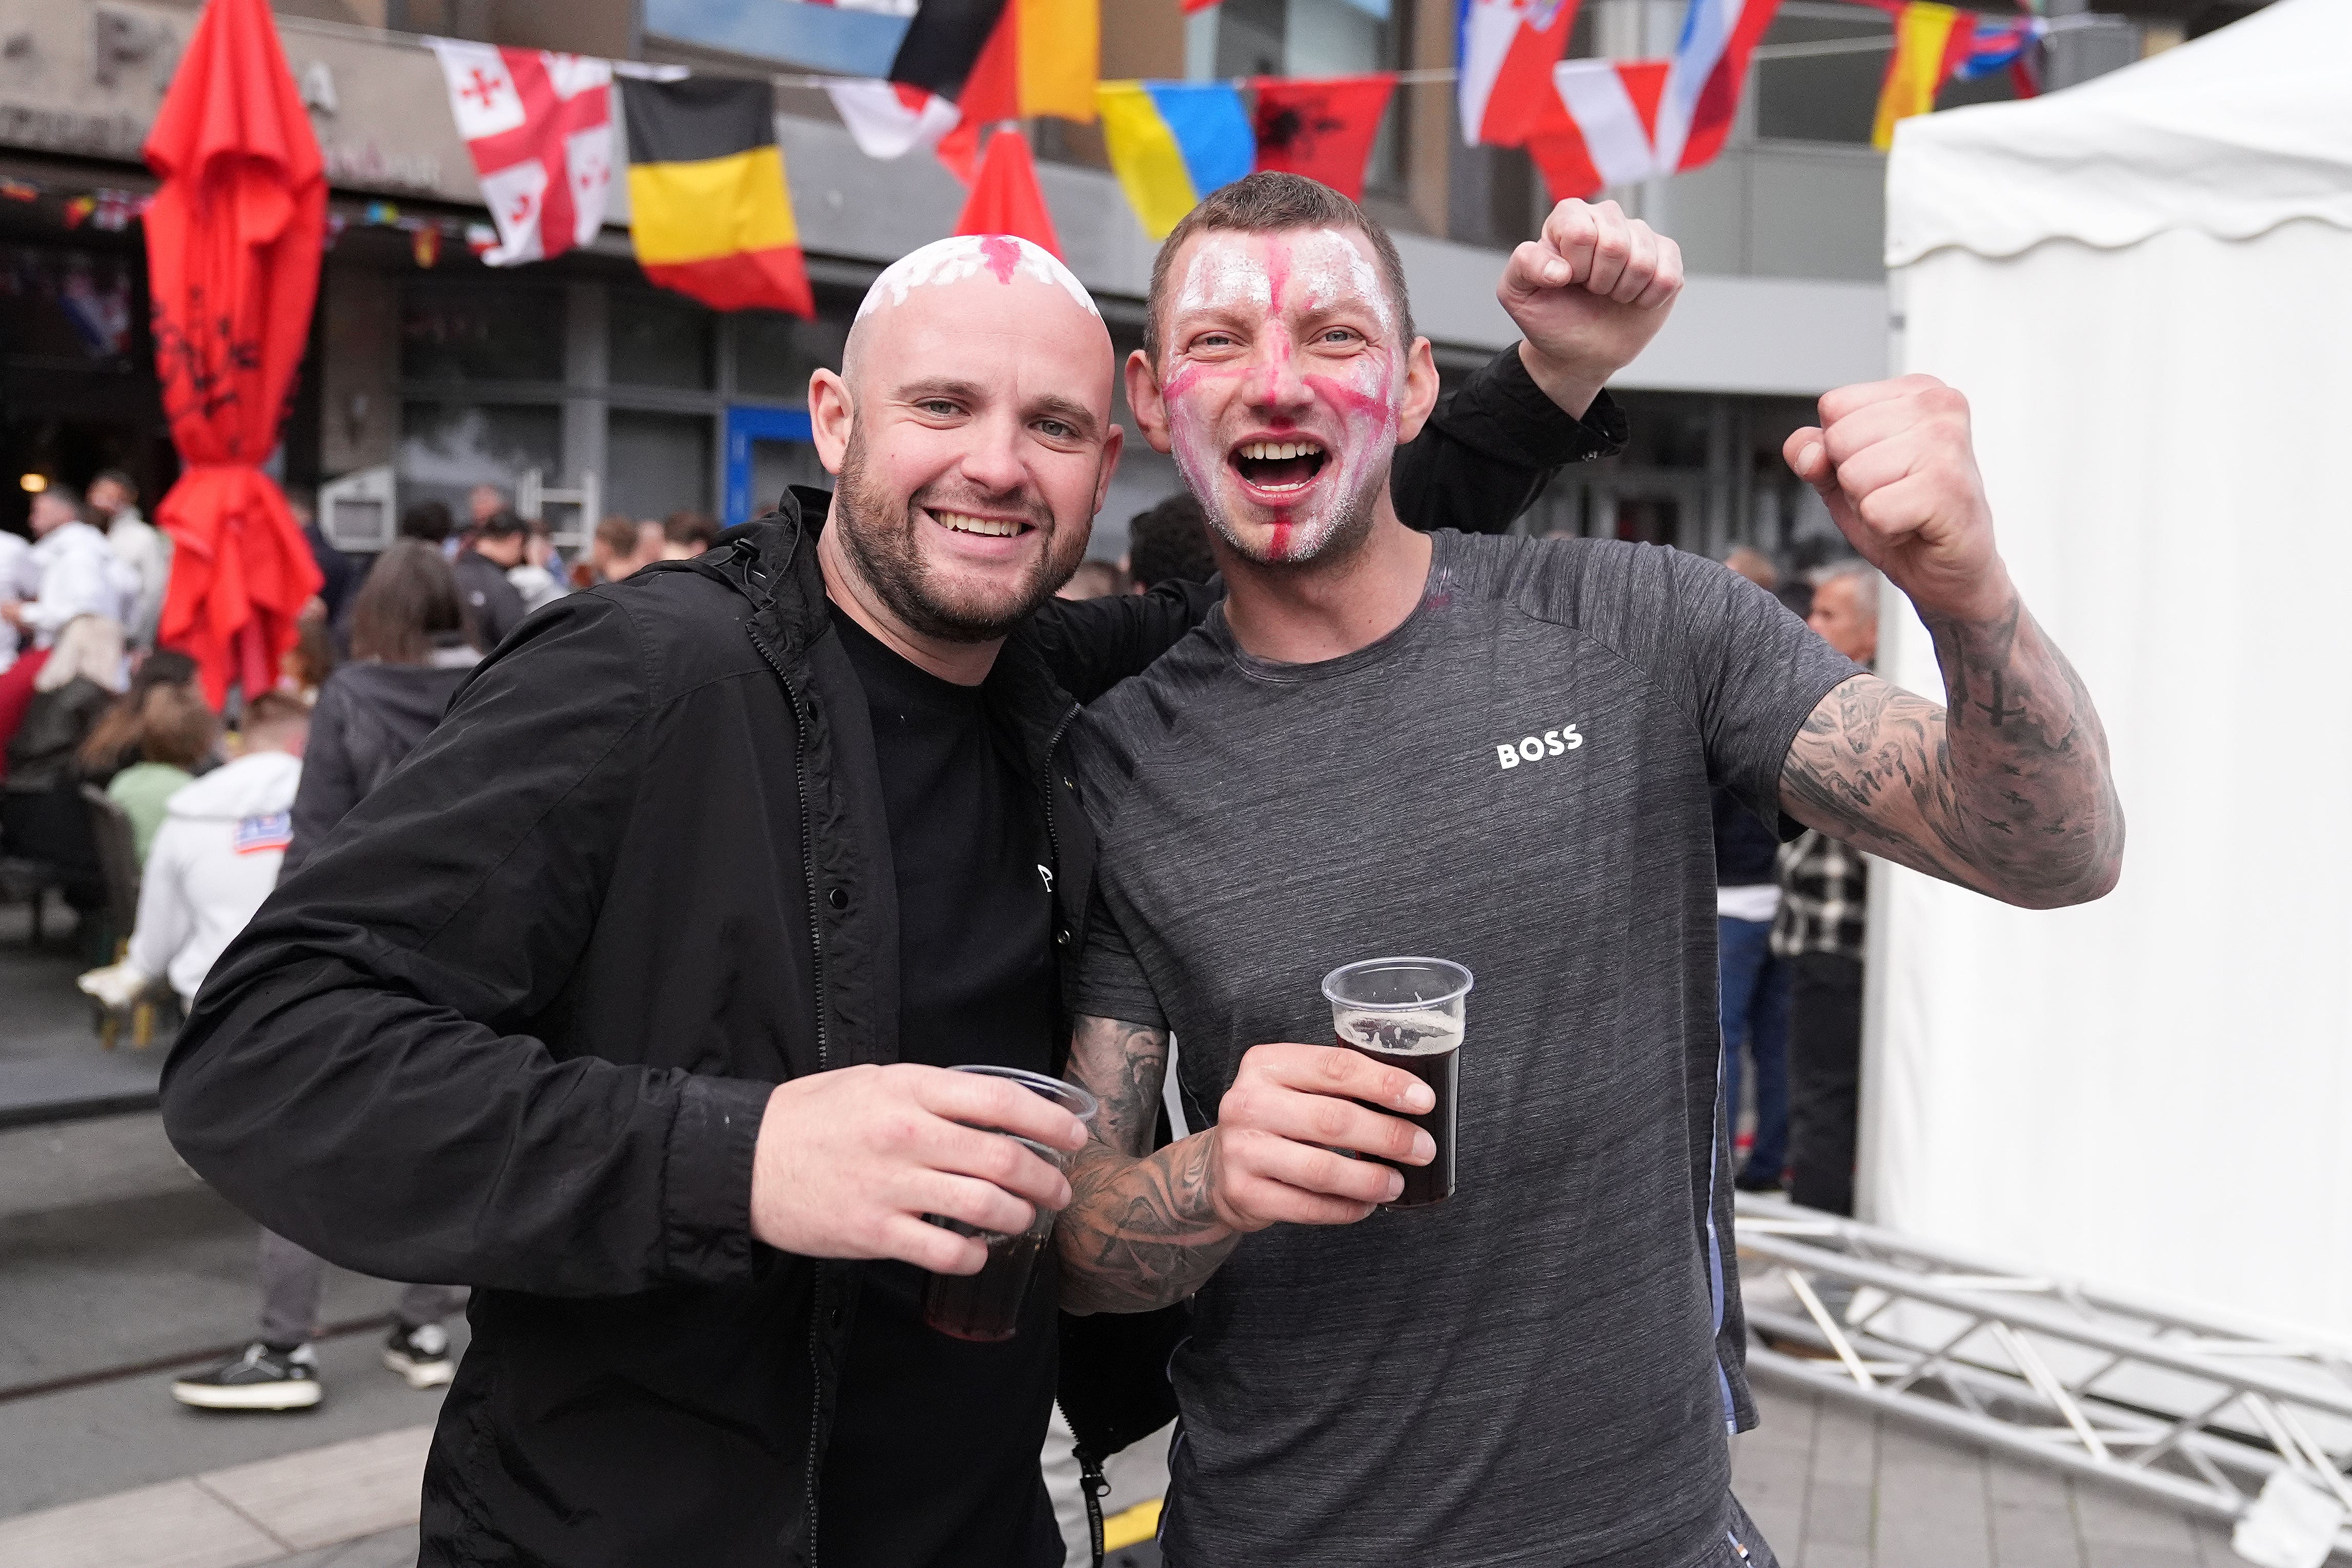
[710, 213]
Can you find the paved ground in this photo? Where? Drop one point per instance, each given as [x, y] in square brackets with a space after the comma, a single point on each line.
[50, 1064]
[1834, 1487]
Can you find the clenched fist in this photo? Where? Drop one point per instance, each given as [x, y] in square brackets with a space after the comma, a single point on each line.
[848, 1161]
[1895, 464]
[1589, 295]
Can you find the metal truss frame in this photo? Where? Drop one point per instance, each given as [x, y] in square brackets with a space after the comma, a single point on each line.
[2195, 1410]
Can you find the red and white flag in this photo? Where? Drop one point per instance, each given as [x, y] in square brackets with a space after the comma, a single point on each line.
[1704, 81]
[1612, 113]
[539, 128]
[1503, 57]
[889, 119]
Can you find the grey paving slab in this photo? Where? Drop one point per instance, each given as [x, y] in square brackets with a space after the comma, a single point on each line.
[51, 1063]
[393, 1549]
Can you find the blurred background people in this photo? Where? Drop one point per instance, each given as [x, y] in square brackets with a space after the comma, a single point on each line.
[1169, 543]
[484, 502]
[686, 535]
[214, 860]
[145, 549]
[1819, 931]
[1094, 579]
[1754, 565]
[541, 578]
[430, 521]
[494, 549]
[118, 739]
[621, 546]
[341, 574]
[70, 573]
[177, 737]
[409, 653]
[1753, 984]
[42, 814]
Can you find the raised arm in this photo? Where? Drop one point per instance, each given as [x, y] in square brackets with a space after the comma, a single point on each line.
[1143, 1229]
[2008, 789]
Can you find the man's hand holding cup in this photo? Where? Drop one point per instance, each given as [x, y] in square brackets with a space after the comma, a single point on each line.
[849, 1161]
[1287, 1126]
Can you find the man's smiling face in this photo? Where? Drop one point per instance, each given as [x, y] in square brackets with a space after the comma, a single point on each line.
[982, 442]
[1285, 381]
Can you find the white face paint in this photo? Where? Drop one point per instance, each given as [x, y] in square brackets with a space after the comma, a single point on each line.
[959, 256]
[1331, 267]
[1222, 277]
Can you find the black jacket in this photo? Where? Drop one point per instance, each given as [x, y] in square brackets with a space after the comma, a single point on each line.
[493, 605]
[369, 717]
[515, 1023]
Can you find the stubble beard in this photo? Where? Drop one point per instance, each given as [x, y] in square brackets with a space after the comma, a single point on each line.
[1341, 535]
[879, 535]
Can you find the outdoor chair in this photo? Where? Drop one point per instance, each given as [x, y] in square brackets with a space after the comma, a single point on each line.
[118, 860]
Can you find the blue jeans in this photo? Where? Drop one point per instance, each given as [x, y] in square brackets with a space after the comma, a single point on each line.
[1755, 988]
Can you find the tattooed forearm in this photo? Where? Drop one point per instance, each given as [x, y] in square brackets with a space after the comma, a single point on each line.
[1141, 1230]
[2006, 791]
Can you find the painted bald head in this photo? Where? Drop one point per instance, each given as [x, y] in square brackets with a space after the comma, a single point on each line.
[971, 432]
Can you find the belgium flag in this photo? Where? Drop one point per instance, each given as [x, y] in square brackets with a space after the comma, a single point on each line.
[710, 213]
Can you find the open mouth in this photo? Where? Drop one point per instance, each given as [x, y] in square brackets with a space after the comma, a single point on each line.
[987, 527]
[1275, 467]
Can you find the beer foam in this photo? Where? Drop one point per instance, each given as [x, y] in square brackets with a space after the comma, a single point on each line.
[1398, 1031]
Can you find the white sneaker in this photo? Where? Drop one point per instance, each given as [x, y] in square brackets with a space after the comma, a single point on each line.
[420, 1354]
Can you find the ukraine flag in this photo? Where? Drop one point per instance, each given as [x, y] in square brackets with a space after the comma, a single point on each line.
[710, 213]
[1171, 143]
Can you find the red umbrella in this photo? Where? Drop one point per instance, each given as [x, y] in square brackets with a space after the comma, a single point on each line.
[232, 244]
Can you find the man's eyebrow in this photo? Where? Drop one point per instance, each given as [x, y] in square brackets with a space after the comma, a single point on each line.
[938, 386]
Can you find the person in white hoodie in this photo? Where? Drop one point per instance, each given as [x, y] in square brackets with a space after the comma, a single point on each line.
[214, 858]
[70, 571]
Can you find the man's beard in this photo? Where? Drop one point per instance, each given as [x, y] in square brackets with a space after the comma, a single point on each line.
[880, 537]
[1340, 534]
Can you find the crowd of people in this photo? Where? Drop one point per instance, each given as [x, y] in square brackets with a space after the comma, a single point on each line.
[672, 1000]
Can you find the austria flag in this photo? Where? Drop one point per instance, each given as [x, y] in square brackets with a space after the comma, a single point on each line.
[1505, 50]
[1612, 109]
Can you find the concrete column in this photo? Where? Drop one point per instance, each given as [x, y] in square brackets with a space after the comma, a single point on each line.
[359, 372]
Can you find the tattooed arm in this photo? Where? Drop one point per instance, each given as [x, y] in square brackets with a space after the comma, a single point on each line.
[1145, 1230]
[2007, 790]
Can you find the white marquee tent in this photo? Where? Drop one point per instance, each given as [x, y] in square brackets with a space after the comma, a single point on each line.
[2144, 285]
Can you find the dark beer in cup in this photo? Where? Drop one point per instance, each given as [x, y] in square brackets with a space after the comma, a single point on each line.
[1408, 1013]
[986, 1307]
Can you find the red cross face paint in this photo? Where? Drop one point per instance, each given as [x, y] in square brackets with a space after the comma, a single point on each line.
[1284, 374]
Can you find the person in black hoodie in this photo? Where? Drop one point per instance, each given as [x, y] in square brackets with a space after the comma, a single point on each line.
[493, 605]
[409, 656]
[624, 1001]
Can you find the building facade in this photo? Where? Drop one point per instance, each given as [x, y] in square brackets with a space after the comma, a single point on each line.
[576, 375]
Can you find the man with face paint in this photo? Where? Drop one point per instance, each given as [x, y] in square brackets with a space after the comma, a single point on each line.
[629, 999]
[1497, 752]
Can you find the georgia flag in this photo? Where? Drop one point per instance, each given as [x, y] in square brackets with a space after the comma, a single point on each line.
[539, 127]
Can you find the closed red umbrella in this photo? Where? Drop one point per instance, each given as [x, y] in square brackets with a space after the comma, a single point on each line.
[233, 239]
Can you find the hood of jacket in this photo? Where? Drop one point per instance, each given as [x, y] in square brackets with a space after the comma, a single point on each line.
[411, 698]
[258, 784]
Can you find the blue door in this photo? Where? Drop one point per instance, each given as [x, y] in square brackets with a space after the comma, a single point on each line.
[748, 429]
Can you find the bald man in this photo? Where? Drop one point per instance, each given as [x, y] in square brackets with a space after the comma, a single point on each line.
[629, 1000]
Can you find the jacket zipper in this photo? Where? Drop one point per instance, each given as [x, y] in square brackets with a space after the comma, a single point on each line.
[816, 941]
[1054, 839]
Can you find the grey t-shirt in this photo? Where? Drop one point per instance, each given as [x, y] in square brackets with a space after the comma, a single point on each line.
[1541, 1370]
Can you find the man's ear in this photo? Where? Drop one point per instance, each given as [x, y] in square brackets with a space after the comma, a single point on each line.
[832, 415]
[1143, 397]
[1113, 444]
[1419, 391]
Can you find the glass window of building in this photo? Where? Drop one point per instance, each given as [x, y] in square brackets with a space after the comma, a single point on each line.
[657, 463]
[776, 353]
[658, 339]
[446, 448]
[454, 329]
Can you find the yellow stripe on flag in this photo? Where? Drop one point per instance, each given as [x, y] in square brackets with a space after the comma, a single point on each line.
[1060, 45]
[1922, 33]
[1145, 157]
[711, 207]
[1132, 1526]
